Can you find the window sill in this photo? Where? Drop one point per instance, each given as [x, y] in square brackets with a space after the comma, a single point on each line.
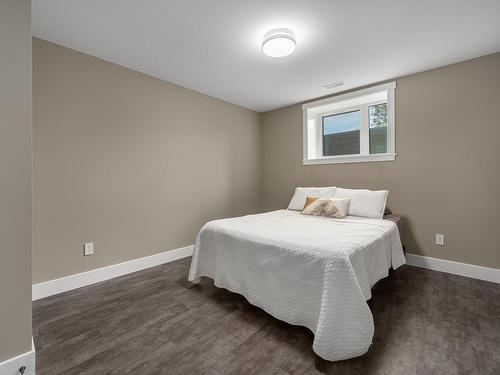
[350, 159]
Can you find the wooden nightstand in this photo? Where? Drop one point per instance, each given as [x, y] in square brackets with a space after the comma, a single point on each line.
[394, 218]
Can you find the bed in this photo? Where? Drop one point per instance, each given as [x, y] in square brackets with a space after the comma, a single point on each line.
[311, 271]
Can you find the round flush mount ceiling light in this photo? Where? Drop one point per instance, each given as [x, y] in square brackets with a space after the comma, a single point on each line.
[279, 43]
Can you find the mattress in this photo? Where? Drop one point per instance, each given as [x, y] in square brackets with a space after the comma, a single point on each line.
[305, 270]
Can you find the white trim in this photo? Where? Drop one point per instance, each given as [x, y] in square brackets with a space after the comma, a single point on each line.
[339, 159]
[51, 287]
[304, 136]
[391, 121]
[364, 131]
[337, 98]
[456, 268]
[12, 365]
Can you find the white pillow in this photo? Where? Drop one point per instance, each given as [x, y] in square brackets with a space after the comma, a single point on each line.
[301, 193]
[342, 205]
[364, 203]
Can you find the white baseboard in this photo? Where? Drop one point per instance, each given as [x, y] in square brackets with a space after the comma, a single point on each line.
[11, 366]
[51, 287]
[456, 268]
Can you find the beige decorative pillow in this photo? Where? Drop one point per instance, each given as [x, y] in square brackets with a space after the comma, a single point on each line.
[323, 207]
[309, 200]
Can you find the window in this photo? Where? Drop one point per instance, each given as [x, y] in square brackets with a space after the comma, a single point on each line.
[341, 133]
[354, 127]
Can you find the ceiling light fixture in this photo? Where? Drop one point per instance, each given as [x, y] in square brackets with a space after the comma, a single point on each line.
[279, 43]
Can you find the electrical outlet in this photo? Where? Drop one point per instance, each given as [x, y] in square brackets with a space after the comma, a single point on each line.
[88, 248]
[439, 239]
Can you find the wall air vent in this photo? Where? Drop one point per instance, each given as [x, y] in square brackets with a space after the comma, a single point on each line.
[333, 85]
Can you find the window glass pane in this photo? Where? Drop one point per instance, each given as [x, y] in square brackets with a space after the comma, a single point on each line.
[377, 123]
[341, 134]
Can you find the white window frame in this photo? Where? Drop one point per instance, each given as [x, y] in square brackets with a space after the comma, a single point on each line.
[364, 155]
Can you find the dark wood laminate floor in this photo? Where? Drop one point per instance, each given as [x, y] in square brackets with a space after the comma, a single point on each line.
[150, 322]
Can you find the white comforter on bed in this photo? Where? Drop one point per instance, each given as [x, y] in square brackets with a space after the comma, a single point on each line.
[305, 270]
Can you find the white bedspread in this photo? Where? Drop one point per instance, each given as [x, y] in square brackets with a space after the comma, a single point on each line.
[305, 270]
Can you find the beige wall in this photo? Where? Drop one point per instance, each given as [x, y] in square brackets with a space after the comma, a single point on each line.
[137, 165]
[130, 162]
[446, 178]
[15, 177]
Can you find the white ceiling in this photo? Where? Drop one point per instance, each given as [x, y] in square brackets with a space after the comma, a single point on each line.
[213, 46]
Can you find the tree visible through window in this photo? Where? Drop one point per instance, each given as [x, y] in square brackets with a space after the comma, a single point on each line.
[377, 122]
